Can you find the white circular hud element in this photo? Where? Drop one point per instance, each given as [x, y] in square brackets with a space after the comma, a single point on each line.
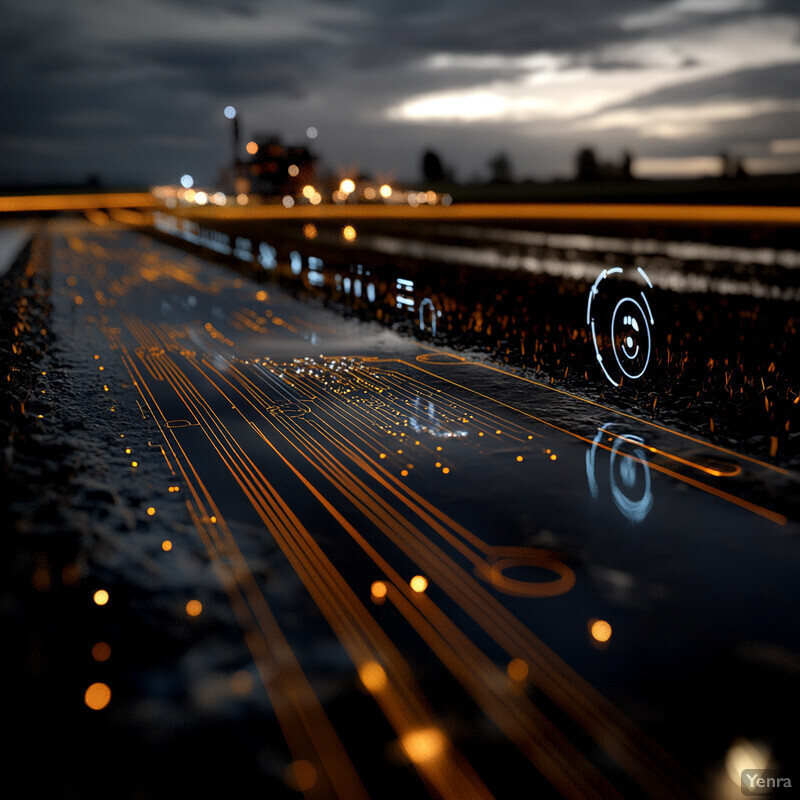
[620, 320]
[429, 310]
[628, 473]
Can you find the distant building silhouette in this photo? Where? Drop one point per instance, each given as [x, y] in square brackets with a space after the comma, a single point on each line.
[272, 169]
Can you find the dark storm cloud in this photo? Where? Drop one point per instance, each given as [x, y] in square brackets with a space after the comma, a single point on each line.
[85, 76]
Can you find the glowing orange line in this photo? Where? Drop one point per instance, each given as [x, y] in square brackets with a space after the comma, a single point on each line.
[77, 202]
[623, 212]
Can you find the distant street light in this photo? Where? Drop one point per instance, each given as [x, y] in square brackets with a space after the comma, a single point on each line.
[230, 113]
[187, 181]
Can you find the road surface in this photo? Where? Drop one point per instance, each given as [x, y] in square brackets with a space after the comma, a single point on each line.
[435, 576]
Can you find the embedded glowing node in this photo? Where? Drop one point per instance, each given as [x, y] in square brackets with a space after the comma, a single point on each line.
[347, 186]
[101, 651]
[517, 669]
[379, 589]
[300, 775]
[242, 682]
[194, 608]
[600, 630]
[373, 676]
[100, 597]
[293, 170]
[252, 148]
[187, 181]
[213, 518]
[230, 112]
[423, 745]
[418, 583]
[97, 696]
[385, 191]
[166, 545]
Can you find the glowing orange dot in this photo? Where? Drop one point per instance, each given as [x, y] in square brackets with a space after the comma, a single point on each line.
[261, 295]
[97, 696]
[213, 519]
[424, 744]
[78, 300]
[600, 630]
[242, 682]
[418, 583]
[134, 463]
[100, 597]
[194, 608]
[372, 676]
[349, 233]
[379, 589]
[166, 545]
[446, 470]
[553, 457]
[151, 511]
[251, 148]
[519, 458]
[404, 472]
[517, 669]
[300, 775]
[101, 651]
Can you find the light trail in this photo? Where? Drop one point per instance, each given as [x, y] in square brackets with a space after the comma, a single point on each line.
[609, 212]
[76, 202]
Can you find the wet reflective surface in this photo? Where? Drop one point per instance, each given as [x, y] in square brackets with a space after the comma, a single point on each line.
[386, 568]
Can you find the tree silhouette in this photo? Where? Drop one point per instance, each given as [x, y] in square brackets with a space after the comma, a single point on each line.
[500, 169]
[432, 168]
[587, 168]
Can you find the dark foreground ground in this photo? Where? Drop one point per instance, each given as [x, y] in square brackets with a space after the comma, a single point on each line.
[610, 599]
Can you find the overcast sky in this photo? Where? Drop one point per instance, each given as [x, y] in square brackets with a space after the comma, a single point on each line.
[134, 90]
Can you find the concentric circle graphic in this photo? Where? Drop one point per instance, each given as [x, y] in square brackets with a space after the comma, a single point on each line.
[620, 319]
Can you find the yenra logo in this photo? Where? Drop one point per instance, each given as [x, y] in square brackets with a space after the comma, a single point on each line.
[619, 316]
[760, 782]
